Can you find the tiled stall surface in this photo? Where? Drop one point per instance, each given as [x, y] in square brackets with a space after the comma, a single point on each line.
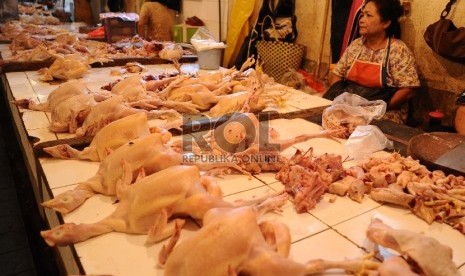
[333, 231]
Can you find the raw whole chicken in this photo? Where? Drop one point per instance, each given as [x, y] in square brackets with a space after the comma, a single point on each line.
[234, 103]
[233, 242]
[69, 114]
[146, 206]
[148, 153]
[108, 139]
[63, 92]
[430, 257]
[131, 89]
[25, 41]
[113, 109]
[71, 66]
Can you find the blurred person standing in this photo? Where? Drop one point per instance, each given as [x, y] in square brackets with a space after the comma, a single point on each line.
[157, 18]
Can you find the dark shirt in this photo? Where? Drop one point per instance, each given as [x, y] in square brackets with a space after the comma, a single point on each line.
[172, 4]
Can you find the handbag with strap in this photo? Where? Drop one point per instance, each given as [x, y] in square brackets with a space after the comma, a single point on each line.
[279, 56]
[445, 39]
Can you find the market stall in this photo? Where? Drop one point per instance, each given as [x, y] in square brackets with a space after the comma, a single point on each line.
[333, 230]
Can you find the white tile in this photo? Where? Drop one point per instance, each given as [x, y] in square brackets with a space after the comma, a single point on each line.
[6, 54]
[15, 78]
[234, 183]
[342, 209]
[266, 177]
[35, 120]
[281, 110]
[399, 218]
[22, 90]
[41, 135]
[113, 252]
[300, 225]
[328, 245]
[303, 100]
[61, 173]
[43, 92]
[65, 135]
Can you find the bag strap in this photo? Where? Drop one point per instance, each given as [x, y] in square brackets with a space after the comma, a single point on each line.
[446, 11]
[272, 26]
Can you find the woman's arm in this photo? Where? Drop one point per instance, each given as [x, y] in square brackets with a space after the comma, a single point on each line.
[400, 97]
[333, 78]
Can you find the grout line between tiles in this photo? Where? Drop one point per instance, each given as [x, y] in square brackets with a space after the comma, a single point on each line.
[246, 190]
[358, 215]
[311, 235]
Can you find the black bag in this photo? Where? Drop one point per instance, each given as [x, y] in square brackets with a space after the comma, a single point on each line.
[445, 39]
[262, 30]
[368, 93]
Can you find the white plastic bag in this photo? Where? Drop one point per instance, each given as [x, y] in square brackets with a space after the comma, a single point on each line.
[349, 111]
[365, 140]
[203, 40]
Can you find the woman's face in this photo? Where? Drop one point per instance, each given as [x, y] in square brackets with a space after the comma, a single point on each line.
[370, 23]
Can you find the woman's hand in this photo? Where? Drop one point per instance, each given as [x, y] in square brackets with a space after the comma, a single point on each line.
[333, 78]
[400, 97]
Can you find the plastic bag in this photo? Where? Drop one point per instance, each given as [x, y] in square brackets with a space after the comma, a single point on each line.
[203, 40]
[349, 111]
[365, 140]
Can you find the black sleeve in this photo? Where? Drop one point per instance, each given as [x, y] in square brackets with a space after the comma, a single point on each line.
[172, 4]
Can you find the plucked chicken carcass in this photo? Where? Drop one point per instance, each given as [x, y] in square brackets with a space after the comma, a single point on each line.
[112, 109]
[146, 206]
[72, 66]
[428, 255]
[63, 92]
[233, 242]
[172, 52]
[25, 41]
[108, 139]
[69, 114]
[147, 154]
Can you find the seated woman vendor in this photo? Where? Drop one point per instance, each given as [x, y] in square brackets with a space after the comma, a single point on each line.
[377, 65]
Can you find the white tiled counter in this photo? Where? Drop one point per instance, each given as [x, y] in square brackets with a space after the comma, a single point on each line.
[333, 231]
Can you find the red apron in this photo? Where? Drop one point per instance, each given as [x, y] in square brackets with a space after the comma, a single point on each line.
[369, 74]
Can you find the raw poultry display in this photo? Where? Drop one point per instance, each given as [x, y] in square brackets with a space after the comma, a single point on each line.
[248, 247]
[146, 206]
[108, 139]
[425, 255]
[403, 181]
[145, 155]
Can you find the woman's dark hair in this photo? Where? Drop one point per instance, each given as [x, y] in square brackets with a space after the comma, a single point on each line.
[389, 10]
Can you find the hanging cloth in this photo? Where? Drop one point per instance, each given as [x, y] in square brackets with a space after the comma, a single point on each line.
[238, 28]
[351, 32]
[339, 15]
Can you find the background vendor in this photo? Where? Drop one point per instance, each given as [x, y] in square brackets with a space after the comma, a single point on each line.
[157, 18]
[378, 65]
